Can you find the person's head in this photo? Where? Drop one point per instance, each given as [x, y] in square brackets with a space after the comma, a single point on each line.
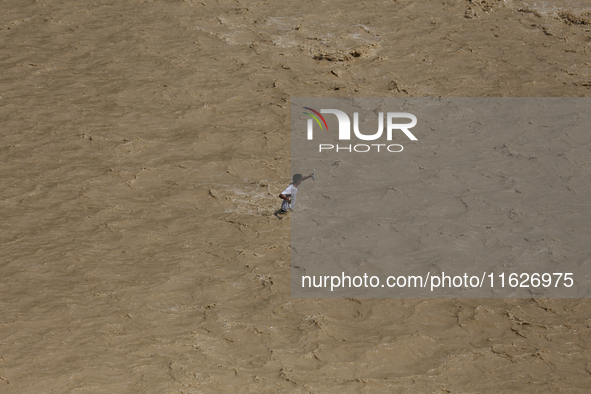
[297, 179]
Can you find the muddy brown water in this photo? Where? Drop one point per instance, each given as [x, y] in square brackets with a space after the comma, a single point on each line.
[143, 147]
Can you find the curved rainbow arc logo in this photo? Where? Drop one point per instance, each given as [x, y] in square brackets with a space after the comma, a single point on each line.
[316, 117]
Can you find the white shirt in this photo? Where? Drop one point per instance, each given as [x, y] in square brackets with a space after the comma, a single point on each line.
[290, 192]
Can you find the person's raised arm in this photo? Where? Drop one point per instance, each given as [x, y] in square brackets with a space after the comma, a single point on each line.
[308, 176]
